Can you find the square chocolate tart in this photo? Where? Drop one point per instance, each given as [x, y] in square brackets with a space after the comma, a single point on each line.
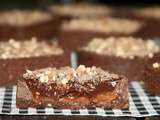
[152, 75]
[12, 68]
[80, 10]
[152, 22]
[133, 68]
[85, 87]
[42, 29]
[71, 39]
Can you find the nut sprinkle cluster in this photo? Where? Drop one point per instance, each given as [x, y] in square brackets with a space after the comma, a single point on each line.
[27, 48]
[66, 75]
[107, 25]
[125, 47]
[81, 10]
[22, 18]
[156, 65]
[150, 12]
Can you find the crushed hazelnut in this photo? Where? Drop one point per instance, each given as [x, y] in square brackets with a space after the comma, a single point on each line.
[54, 78]
[49, 105]
[50, 88]
[29, 71]
[37, 93]
[150, 55]
[23, 17]
[88, 70]
[81, 68]
[40, 103]
[43, 78]
[156, 65]
[75, 74]
[64, 81]
[125, 47]
[27, 48]
[108, 25]
[47, 72]
[55, 93]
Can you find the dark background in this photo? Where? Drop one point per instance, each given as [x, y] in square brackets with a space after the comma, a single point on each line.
[22, 4]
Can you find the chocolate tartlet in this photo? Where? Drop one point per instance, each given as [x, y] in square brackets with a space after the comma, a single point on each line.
[150, 16]
[121, 55]
[80, 10]
[152, 78]
[78, 32]
[16, 56]
[27, 23]
[73, 89]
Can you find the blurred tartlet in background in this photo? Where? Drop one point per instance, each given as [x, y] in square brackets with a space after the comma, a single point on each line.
[122, 55]
[77, 32]
[149, 15]
[79, 10]
[24, 24]
[17, 56]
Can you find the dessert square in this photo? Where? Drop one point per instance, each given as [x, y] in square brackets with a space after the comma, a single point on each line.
[152, 78]
[17, 56]
[80, 10]
[151, 75]
[121, 55]
[77, 32]
[23, 24]
[149, 15]
[70, 88]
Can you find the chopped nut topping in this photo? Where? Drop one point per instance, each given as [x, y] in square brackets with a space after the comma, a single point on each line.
[22, 18]
[150, 12]
[156, 65]
[43, 78]
[81, 10]
[28, 48]
[65, 75]
[49, 105]
[125, 47]
[28, 71]
[107, 25]
[37, 93]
